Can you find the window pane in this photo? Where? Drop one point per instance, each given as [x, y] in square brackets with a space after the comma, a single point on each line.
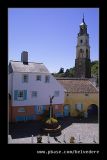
[79, 106]
[38, 78]
[20, 95]
[47, 79]
[25, 78]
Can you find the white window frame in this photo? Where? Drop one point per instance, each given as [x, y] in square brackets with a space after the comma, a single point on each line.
[25, 80]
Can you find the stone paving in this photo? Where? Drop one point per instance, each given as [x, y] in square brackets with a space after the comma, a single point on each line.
[86, 133]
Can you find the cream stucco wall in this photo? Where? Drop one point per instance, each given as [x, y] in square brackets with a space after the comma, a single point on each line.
[74, 98]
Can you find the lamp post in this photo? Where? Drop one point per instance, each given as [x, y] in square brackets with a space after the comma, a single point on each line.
[51, 111]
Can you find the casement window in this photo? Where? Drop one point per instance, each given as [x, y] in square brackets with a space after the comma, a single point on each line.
[47, 79]
[34, 94]
[79, 106]
[25, 78]
[38, 77]
[20, 95]
[22, 109]
[56, 94]
[39, 109]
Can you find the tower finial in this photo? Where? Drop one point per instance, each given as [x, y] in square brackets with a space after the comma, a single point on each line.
[83, 18]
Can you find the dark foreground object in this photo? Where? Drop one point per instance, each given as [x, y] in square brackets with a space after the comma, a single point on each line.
[53, 129]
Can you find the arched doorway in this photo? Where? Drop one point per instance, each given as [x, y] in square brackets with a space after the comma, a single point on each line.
[92, 111]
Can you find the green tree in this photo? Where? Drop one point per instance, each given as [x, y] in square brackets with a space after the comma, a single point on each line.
[94, 68]
[61, 70]
[67, 73]
[72, 72]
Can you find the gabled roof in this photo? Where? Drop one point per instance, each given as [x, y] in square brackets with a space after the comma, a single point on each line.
[78, 85]
[17, 66]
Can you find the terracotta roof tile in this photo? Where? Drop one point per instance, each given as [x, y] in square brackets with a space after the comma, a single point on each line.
[78, 85]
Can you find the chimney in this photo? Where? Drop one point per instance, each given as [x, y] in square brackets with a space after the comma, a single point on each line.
[24, 57]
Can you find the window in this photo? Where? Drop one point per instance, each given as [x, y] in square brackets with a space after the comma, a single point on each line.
[87, 53]
[21, 109]
[39, 108]
[81, 41]
[34, 94]
[79, 106]
[25, 78]
[81, 50]
[20, 95]
[38, 78]
[47, 79]
[56, 93]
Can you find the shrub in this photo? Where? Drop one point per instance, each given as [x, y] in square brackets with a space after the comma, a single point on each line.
[51, 120]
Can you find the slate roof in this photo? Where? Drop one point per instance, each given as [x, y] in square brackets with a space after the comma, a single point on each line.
[78, 85]
[18, 66]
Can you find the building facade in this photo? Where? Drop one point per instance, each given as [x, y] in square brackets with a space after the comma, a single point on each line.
[30, 88]
[82, 61]
[81, 97]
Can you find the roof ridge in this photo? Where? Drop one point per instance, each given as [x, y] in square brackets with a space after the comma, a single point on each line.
[28, 62]
[94, 86]
[67, 78]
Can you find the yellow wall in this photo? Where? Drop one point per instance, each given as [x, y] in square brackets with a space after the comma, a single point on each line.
[74, 98]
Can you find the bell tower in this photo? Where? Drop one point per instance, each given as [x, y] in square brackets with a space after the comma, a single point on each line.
[82, 61]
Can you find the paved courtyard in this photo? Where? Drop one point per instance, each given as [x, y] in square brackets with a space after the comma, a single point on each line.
[86, 133]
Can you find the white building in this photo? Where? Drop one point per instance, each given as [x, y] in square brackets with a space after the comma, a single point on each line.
[30, 87]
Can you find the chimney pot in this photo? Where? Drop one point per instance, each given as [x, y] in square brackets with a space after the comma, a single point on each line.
[24, 57]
